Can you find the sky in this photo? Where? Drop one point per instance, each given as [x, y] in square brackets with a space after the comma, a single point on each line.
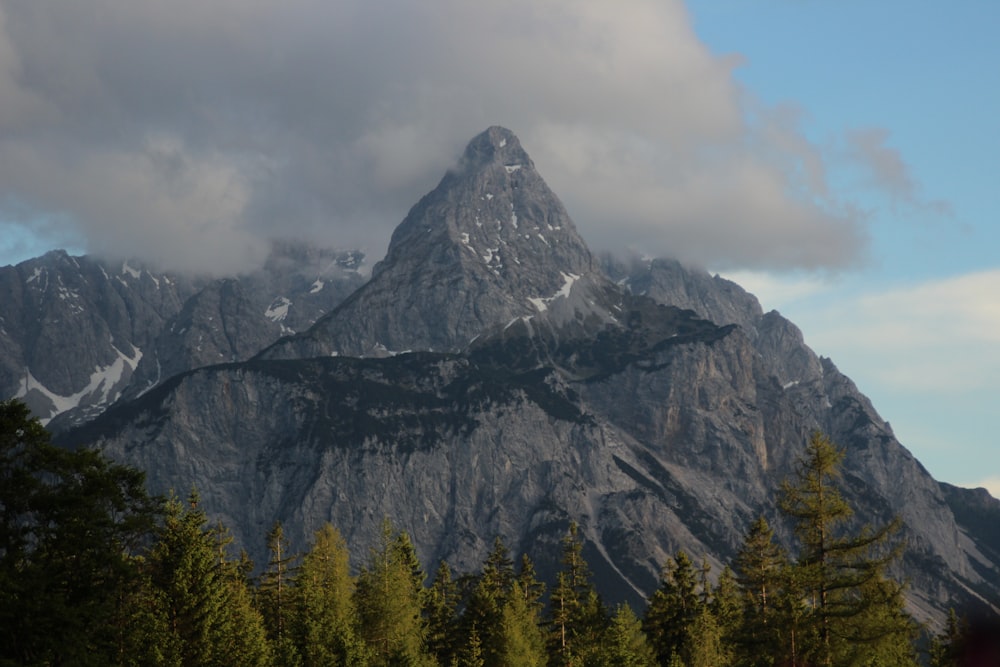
[835, 158]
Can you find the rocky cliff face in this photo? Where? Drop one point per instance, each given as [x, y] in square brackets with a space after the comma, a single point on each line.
[78, 333]
[659, 408]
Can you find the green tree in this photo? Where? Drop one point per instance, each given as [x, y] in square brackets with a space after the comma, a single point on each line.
[441, 611]
[389, 601]
[203, 596]
[519, 640]
[624, 643]
[672, 609]
[760, 569]
[843, 574]
[488, 598]
[274, 593]
[576, 615]
[323, 619]
[71, 524]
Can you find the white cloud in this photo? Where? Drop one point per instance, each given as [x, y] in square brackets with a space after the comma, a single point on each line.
[940, 337]
[331, 119]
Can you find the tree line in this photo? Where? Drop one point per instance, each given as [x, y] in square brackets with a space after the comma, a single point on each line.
[93, 571]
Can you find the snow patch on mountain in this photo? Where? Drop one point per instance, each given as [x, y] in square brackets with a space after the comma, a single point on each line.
[278, 310]
[542, 304]
[102, 389]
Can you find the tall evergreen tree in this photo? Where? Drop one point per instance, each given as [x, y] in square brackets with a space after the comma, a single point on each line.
[71, 522]
[519, 640]
[323, 619]
[760, 569]
[441, 611]
[204, 599]
[672, 609]
[576, 615]
[843, 574]
[488, 598]
[389, 600]
[274, 593]
[624, 643]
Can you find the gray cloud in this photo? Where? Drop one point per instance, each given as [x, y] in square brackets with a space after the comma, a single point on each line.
[886, 170]
[189, 133]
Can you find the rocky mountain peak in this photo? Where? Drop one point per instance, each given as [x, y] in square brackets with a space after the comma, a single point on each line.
[491, 243]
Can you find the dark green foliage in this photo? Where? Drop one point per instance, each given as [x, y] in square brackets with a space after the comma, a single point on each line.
[275, 590]
[576, 615]
[201, 596]
[854, 612]
[70, 524]
[672, 609]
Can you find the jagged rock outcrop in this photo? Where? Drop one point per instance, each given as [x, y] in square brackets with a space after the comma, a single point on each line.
[658, 410]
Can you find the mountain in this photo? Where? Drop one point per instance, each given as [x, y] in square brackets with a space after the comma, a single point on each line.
[491, 243]
[78, 333]
[653, 404]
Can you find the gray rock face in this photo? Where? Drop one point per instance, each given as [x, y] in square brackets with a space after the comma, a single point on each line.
[659, 410]
[78, 333]
[489, 244]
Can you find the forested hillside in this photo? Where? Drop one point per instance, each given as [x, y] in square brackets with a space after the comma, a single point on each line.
[94, 571]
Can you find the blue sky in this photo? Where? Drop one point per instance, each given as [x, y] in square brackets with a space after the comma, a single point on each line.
[835, 158]
[917, 326]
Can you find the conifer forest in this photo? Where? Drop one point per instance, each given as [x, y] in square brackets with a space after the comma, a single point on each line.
[94, 571]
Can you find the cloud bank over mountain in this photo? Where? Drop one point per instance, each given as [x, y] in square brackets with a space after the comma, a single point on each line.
[190, 133]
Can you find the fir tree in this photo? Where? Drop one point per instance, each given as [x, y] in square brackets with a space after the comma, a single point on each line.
[389, 600]
[624, 643]
[672, 609]
[441, 611]
[71, 524]
[519, 640]
[576, 614]
[323, 619]
[204, 601]
[843, 574]
[274, 593]
[760, 569]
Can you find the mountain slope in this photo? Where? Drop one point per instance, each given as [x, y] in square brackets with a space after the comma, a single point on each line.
[659, 411]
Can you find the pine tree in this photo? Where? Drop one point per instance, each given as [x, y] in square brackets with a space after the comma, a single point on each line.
[673, 608]
[726, 606]
[519, 640]
[204, 600]
[843, 574]
[624, 643]
[389, 601]
[441, 611]
[488, 597]
[323, 620]
[531, 588]
[274, 593]
[759, 569]
[71, 524]
[576, 615]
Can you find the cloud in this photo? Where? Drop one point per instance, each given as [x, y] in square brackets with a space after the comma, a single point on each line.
[940, 337]
[192, 132]
[888, 172]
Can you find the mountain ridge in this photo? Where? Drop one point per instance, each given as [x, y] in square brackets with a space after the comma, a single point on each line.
[654, 405]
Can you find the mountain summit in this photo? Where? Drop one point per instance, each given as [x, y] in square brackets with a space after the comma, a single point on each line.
[491, 243]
